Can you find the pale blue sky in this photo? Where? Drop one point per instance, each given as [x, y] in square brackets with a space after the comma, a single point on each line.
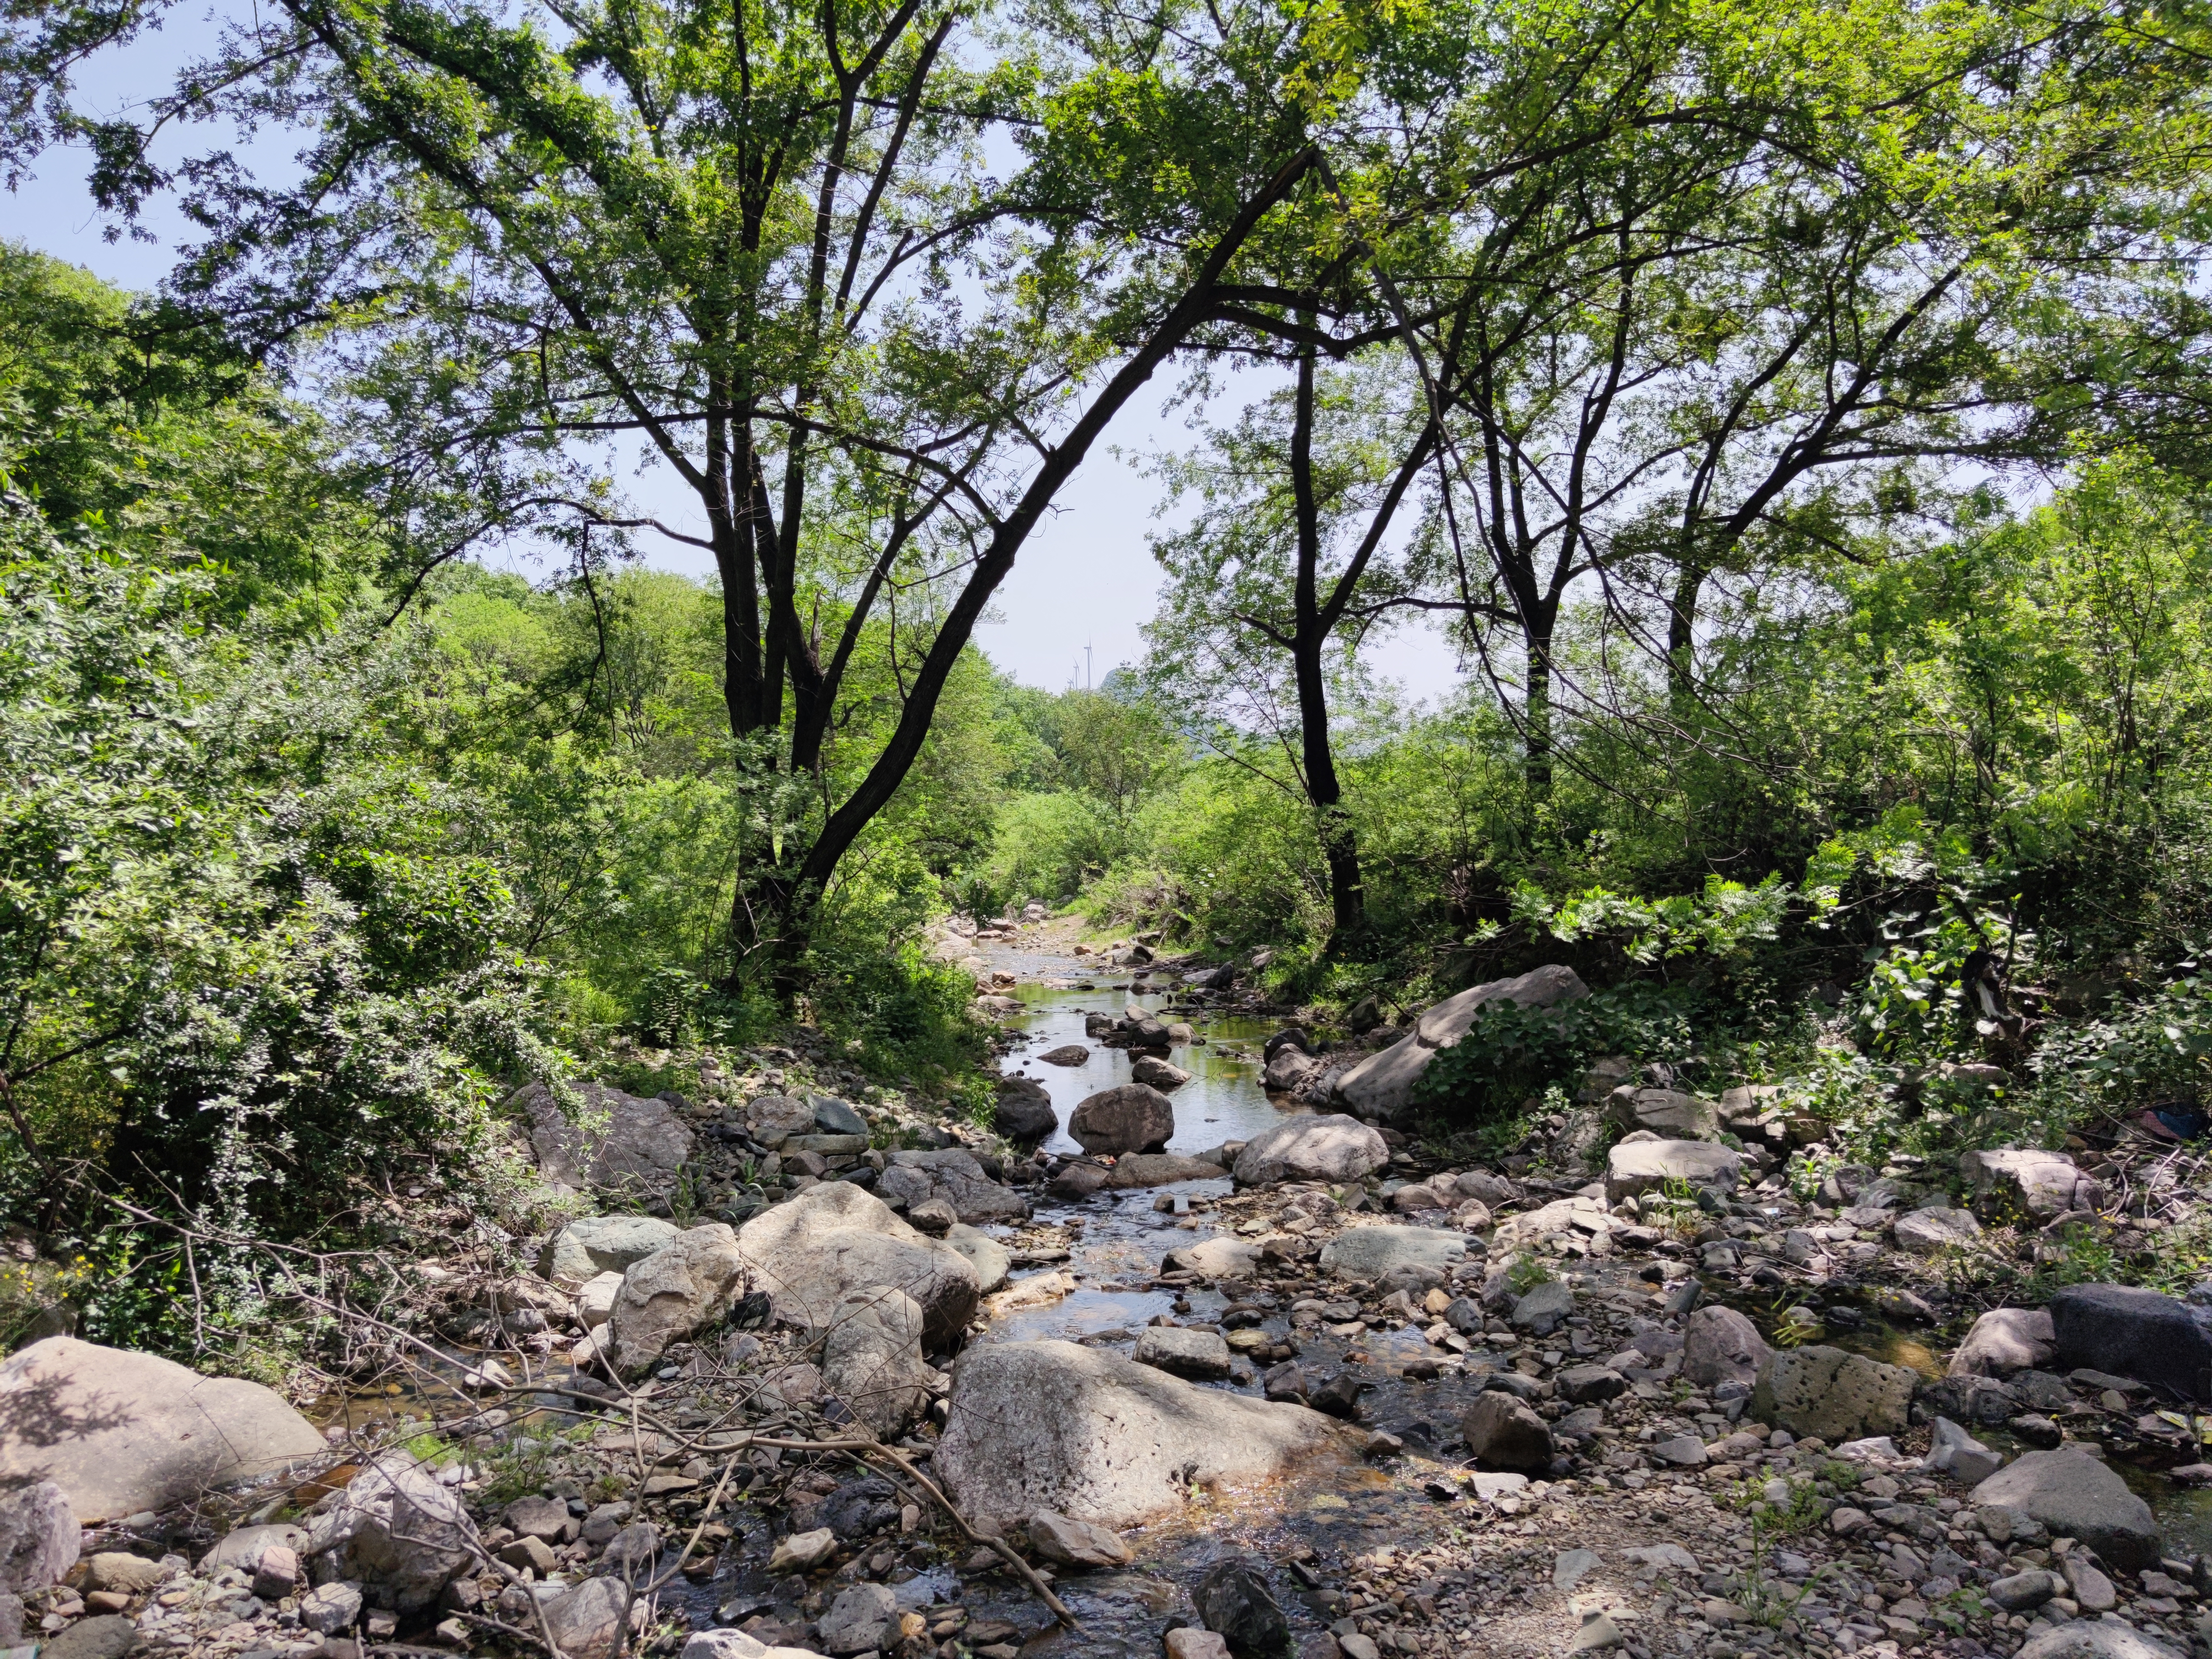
[1084, 578]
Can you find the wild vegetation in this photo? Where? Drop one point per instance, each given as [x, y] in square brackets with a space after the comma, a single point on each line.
[1792, 415]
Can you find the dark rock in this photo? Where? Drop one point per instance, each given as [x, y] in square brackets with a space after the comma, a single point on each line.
[1235, 1602]
[1133, 1118]
[1340, 1396]
[108, 1636]
[2075, 1496]
[1580, 1385]
[2117, 1328]
[1023, 1113]
[1290, 1036]
[859, 1508]
[1503, 1433]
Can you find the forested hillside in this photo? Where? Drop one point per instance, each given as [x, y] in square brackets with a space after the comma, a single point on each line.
[419, 905]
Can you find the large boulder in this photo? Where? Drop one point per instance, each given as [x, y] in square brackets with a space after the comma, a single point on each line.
[397, 1528]
[1381, 1085]
[1668, 1113]
[1333, 1148]
[2004, 1341]
[595, 1245]
[39, 1536]
[1833, 1393]
[676, 1290]
[2140, 1334]
[1090, 1434]
[1633, 1168]
[592, 1620]
[2010, 1184]
[1133, 1118]
[614, 1141]
[1503, 1433]
[1023, 1113]
[119, 1431]
[1936, 1227]
[954, 1176]
[871, 1359]
[1719, 1345]
[1368, 1253]
[774, 1119]
[2075, 1496]
[810, 1251]
[1156, 1073]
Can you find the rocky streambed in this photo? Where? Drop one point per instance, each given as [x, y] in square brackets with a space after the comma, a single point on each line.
[1198, 1367]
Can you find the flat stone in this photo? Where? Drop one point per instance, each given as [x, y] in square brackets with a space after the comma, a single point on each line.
[802, 1551]
[828, 1145]
[2093, 1639]
[1579, 1385]
[1214, 1258]
[1667, 1113]
[1954, 1452]
[120, 1433]
[1633, 1168]
[1189, 1642]
[1159, 1169]
[833, 1116]
[1683, 1452]
[1570, 1567]
[1201, 1356]
[110, 1636]
[241, 1548]
[1332, 1148]
[328, 1608]
[1938, 1227]
[1090, 1434]
[1369, 1253]
[2013, 1184]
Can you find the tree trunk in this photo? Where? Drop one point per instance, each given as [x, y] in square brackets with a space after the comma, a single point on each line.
[1339, 842]
[1537, 735]
[1681, 639]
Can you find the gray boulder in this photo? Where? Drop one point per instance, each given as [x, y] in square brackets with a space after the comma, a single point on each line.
[1371, 1253]
[396, 1527]
[615, 1142]
[1201, 1356]
[1542, 1307]
[595, 1245]
[990, 1258]
[811, 1251]
[1333, 1148]
[1503, 1433]
[1952, 1451]
[677, 1289]
[953, 1175]
[855, 1621]
[38, 1537]
[774, 1119]
[591, 1622]
[1133, 1118]
[2004, 1341]
[2136, 1333]
[1719, 1345]
[1158, 1073]
[1159, 1169]
[1070, 1543]
[1094, 1436]
[871, 1359]
[120, 1432]
[1381, 1087]
[1835, 1395]
[2075, 1496]
[2010, 1184]
[1937, 1227]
